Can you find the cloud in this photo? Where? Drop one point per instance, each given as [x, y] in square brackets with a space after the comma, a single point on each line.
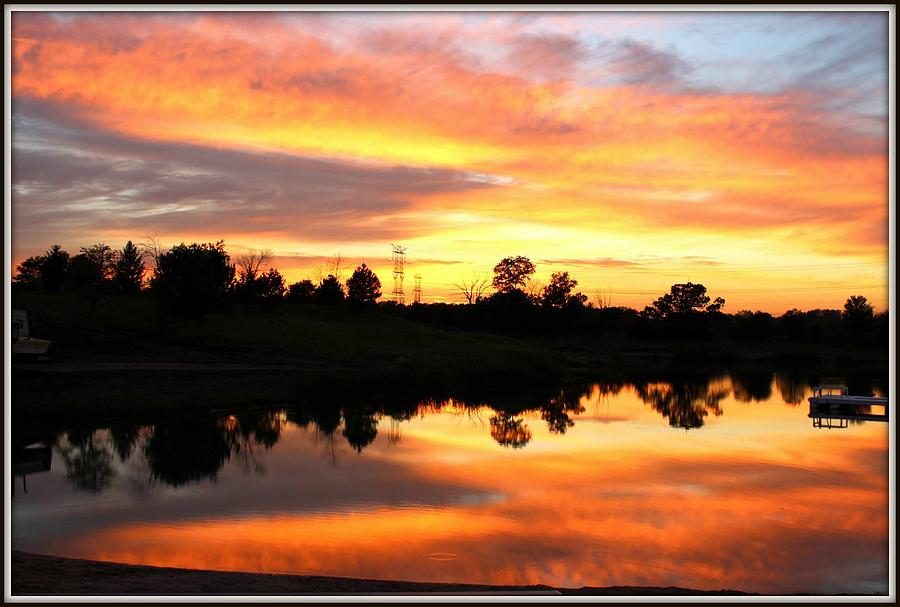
[349, 127]
[548, 56]
[636, 62]
[68, 176]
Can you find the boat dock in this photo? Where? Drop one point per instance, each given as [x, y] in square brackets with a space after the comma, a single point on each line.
[832, 407]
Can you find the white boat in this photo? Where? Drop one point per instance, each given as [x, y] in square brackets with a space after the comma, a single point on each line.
[23, 344]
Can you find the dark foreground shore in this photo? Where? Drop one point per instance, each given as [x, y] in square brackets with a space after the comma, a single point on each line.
[35, 574]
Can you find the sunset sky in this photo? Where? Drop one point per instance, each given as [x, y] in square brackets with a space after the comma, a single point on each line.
[746, 151]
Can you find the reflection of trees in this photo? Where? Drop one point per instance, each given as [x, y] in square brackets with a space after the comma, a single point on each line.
[556, 412]
[360, 427]
[178, 451]
[325, 417]
[360, 423]
[124, 437]
[262, 428]
[609, 388]
[509, 431]
[751, 385]
[88, 461]
[684, 403]
[792, 387]
[191, 450]
[187, 451]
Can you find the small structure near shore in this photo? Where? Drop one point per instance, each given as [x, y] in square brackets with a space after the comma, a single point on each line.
[831, 407]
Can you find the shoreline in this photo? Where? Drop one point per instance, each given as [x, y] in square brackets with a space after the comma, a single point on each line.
[45, 575]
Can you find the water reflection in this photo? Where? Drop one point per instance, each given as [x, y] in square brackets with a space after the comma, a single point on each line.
[191, 450]
[509, 431]
[684, 403]
[792, 387]
[752, 384]
[584, 486]
[88, 460]
[194, 449]
[360, 427]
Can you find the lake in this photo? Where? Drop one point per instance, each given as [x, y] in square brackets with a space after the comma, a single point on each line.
[719, 482]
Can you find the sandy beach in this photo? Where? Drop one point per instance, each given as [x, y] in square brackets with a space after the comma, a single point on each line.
[35, 574]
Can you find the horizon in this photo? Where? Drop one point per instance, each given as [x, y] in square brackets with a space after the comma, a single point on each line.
[746, 151]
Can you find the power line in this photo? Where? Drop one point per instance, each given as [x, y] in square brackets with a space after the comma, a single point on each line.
[699, 267]
[773, 290]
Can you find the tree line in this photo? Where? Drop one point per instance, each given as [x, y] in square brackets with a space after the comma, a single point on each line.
[188, 279]
[192, 279]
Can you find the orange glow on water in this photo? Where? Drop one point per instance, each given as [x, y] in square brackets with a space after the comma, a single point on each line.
[620, 499]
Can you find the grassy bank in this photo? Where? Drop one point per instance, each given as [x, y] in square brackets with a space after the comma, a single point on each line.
[619, 355]
[120, 358]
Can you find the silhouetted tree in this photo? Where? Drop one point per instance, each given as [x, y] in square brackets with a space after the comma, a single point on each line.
[473, 289]
[683, 313]
[824, 325]
[128, 274]
[84, 271]
[303, 291]
[683, 299]
[85, 275]
[334, 266]
[556, 293]
[270, 287]
[753, 326]
[29, 271]
[576, 300]
[251, 263]
[881, 327]
[152, 250]
[363, 287]
[264, 288]
[55, 268]
[511, 309]
[330, 292]
[512, 273]
[198, 276]
[793, 324]
[103, 257]
[248, 267]
[858, 317]
[534, 289]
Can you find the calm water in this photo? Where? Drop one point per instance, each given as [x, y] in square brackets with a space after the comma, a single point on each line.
[704, 483]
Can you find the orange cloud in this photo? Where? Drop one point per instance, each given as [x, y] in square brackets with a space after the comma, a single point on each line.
[566, 157]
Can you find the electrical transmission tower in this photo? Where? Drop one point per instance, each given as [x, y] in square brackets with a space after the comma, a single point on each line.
[417, 292]
[399, 258]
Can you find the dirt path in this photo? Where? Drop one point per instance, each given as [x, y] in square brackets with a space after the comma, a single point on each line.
[34, 574]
